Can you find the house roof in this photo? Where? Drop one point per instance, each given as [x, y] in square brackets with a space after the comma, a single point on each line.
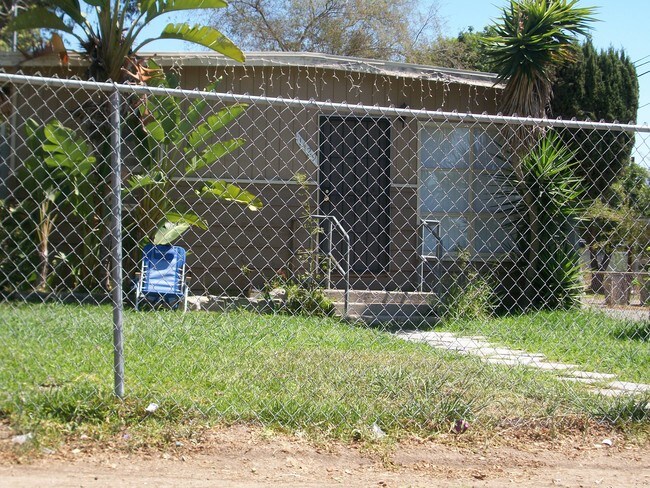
[278, 59]
[329, 61]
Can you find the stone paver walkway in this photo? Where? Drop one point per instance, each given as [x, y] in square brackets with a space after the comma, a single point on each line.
[600, 383]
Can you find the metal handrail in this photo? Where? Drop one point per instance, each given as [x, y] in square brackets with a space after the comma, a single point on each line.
[345, 271]
[433, 226]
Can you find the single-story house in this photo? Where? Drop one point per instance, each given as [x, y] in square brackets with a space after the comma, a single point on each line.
[380, 174]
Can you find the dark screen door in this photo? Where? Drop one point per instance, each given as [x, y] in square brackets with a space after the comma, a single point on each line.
[354, 185]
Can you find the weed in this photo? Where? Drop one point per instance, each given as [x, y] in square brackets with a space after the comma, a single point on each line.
[303, 291]
[302, 296]
[470, 297]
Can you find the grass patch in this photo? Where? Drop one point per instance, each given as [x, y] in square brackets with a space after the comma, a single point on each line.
[313, 374]
[587, 338]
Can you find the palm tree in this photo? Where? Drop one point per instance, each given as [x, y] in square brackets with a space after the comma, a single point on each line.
[114, 34]
[534, 38]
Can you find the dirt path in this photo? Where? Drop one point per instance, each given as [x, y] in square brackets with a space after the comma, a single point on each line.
[242, 456]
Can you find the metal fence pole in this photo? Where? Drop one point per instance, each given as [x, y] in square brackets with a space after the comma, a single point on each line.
[116, 248]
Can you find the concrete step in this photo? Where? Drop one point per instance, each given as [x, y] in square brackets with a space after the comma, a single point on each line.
[368, 306]
[382, 297]
[402, 321]
[385, 309]
[381, 314]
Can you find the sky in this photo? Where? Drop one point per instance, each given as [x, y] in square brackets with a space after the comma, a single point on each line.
[622, 24]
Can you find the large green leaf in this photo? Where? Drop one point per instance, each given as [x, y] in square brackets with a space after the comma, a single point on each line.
[204, 36]
[195, 110]
[72, 9]
[167, 112]
[38, 18]
[215, 122]
[62, 140]
[75, 167]
[162, 113]
[64, 150]
[187, 218]
[212, 153]
[175, 226]
[169, 232]
[35, 135]
[231, 193]
[156, 130]
[148, 179]
[154, 8]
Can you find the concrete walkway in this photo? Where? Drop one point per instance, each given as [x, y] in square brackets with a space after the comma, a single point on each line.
[624, 312]
[599, 383]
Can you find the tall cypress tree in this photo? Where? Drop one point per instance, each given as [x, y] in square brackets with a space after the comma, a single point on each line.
[600, 85]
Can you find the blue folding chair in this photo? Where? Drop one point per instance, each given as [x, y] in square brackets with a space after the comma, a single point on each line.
[162, 277]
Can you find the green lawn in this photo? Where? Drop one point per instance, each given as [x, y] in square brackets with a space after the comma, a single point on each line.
[589, 339]
[297, 373]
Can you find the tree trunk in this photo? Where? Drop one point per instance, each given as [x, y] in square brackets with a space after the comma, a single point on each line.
[45, 265]
[45, 224]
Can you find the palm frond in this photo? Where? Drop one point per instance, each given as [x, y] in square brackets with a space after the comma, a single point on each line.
[533, 38]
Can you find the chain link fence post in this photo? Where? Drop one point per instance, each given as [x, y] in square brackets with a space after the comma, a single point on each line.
[116, 244]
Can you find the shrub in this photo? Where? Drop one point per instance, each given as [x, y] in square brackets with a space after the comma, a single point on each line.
[470, 297]
[471, 300]
[545, 212]
[18, 264]
[303, 296]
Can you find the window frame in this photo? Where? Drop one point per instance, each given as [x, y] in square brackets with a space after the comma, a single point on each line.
[471, 173]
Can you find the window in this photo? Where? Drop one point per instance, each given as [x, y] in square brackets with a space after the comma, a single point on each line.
[457, 186]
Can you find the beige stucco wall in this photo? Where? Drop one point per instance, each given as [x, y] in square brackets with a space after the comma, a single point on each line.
[274, 155]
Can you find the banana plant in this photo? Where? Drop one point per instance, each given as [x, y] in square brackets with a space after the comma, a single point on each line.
[109, 34]
[54, 174]
[114, 33]
[175, 142]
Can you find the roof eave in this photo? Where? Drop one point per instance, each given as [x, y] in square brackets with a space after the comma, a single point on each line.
[272, 59]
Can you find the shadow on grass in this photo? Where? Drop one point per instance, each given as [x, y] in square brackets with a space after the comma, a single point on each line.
[622, 410]
[636, 331]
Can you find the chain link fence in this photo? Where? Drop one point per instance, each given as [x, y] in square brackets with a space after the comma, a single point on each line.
[343, 266]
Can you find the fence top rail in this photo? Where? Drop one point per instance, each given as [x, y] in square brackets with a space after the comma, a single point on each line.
[458, 117]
